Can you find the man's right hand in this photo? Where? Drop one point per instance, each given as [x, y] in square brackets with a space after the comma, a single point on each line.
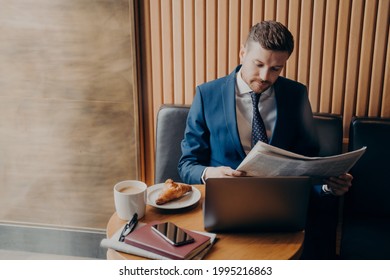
[222, 171]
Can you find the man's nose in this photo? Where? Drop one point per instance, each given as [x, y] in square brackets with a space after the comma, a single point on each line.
[264, 74]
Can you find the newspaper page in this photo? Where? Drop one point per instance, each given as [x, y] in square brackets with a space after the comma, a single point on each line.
[266, 160]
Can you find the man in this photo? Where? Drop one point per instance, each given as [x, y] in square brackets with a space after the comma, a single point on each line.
[218, 135]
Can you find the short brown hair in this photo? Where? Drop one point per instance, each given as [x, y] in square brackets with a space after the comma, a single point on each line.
[272, 35]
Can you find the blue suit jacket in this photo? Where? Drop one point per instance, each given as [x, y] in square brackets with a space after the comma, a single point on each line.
[211, 136]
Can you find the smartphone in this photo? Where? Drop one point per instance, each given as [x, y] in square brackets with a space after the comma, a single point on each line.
[173, 234]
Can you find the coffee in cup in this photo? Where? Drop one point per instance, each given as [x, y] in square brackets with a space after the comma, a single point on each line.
[130, 198]
[129, 189]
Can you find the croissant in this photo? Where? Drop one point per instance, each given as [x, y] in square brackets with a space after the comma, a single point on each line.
[171, 191]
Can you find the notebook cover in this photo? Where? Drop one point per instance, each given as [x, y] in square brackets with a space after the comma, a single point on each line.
[147, 239]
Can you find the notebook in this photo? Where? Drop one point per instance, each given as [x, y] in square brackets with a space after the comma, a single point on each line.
[145, 238]
[256, 204]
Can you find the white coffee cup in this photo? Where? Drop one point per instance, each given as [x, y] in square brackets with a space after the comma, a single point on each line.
[130, 198]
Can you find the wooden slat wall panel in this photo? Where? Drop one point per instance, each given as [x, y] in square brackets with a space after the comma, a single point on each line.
[156, 55]
[303, 49]
[352, 65]
[234, 34]
[270, 9]
[341, 53]
[257, 11]
[167, 51]
[189, 50]
[178, 53]
[222, 37]
[366, 54]
[385, 108]
[317, 48]
[377, 76]
[211, 42]
[246, 19]
[282, 16]
[340, 58]
[326, 90]
[293, 23]
[200, 41]
[145, 88]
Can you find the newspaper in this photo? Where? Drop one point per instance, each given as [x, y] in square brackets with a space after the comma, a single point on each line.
[265, 161]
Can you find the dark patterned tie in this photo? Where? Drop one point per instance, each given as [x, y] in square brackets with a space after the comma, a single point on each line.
[258, 128]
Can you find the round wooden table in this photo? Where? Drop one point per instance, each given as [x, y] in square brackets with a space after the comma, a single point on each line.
[248, 246]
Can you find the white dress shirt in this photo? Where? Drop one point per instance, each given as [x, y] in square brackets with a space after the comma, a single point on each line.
[267, 108]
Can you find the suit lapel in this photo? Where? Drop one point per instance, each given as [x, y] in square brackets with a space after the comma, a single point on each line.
[229, 107]
[279, 113]
[282, 130]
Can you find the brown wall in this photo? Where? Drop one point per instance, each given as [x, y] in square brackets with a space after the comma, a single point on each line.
[342, 52]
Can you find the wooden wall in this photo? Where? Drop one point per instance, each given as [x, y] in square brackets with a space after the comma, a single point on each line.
[342, 52]
[68, 109]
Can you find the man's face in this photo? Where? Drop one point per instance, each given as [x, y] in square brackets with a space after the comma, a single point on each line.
[261, 67]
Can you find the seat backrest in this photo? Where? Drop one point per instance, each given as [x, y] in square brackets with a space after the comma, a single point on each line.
[330, 133]
[171, 123]
[370, 192]
[324, 214]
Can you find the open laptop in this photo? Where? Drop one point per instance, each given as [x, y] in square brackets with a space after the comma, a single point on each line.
[255, 204]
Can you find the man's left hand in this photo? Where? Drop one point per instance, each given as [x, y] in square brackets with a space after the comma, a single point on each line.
[339, 185]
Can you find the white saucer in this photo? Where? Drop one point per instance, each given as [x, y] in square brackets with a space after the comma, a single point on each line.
[187, 200]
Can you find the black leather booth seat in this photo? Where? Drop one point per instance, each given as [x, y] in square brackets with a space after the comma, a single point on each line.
[366, 219]
[321, 230]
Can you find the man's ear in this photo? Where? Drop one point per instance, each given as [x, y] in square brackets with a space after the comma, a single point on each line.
[242, 53]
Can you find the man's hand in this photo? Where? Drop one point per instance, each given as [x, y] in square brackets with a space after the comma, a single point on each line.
[222, 171]
[339, 185]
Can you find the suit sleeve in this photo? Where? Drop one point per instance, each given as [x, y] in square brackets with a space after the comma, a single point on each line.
[196, 143]
[308, 142]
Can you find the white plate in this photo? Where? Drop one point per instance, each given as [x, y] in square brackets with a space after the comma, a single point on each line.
[187, 200]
